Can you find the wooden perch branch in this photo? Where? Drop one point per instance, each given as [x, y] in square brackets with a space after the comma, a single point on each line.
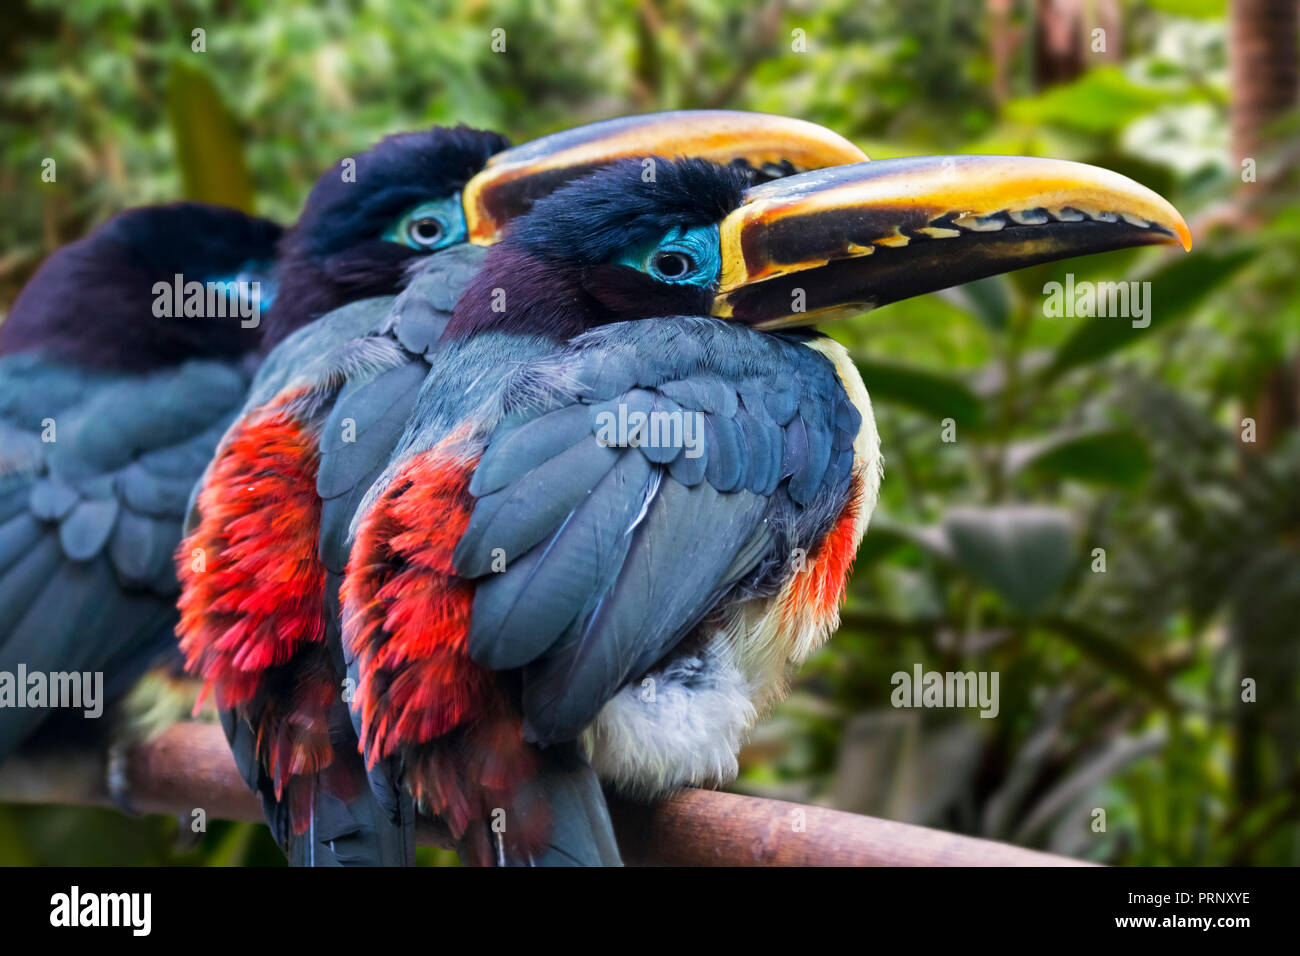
[189, 766]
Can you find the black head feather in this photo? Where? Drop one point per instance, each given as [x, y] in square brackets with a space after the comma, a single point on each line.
[334, 254]
[91, 302]
[396, 173]
[591, 220]
[553, 272]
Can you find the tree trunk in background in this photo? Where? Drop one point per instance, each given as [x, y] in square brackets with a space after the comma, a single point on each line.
[1004, 37]
[1063, 38]
[1264, 57]
[1264, 54]
[1265, 68]
[648, 75]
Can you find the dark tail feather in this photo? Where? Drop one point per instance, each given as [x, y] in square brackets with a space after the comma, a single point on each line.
[351, 825]
[353, 833]
[348, 825]
[580, 831]
[243, 746]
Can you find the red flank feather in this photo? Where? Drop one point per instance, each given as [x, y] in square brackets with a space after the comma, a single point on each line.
[257, 596]
[406, 616]
[255, 600]
[821, 585]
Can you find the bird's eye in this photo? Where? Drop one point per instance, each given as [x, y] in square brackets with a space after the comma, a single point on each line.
[685, 256]
[673, 266]
[430, 226]
[425, 232]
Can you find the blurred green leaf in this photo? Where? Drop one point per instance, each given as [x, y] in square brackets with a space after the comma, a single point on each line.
[233, 847]
[1021, 552]
[1176, 289]
[13, 847]
[1104, 265]
[1111, 656]
[209, 146]
[939, 395]
[878, 544]
[893, 535]
[1073, 794]
[1107, 457]
[989, 300]
[1204, 9]
[1100, 101]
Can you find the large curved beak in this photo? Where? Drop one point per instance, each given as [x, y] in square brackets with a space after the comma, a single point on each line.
[840, 241]
[515, 178]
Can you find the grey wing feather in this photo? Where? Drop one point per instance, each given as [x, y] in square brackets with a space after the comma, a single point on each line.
[86, 575]
[614, 557]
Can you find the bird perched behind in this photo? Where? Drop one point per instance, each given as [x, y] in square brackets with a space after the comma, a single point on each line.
[111, 407]
[260, 569]
[642, 475]
[107, 413]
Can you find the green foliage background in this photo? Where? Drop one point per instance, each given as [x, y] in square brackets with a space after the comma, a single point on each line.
[1121, 689]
